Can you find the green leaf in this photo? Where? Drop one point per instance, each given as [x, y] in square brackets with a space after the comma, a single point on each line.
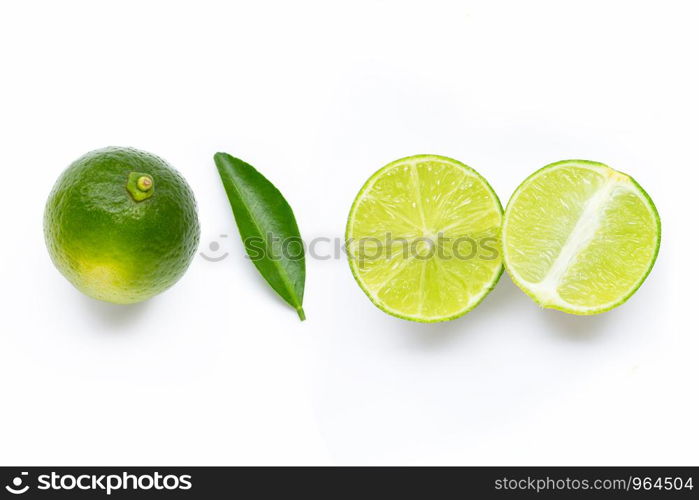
[268, 228]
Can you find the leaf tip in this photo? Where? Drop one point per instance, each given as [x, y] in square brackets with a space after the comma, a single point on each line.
[302, 315]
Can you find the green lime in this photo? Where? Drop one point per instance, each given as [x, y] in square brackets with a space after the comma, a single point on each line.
[121, 225]
[423, 238]
[580, 237]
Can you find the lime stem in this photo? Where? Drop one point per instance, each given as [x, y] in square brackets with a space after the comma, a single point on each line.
[141, 186]
[144, 183]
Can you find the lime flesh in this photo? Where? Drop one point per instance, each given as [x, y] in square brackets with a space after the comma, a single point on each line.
[580, 237]
[423, 238]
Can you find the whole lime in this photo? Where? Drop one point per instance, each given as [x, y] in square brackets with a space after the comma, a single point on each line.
[121, 225]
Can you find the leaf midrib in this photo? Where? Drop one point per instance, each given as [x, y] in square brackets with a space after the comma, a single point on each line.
[277, 265]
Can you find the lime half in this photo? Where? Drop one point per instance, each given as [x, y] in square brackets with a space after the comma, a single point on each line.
[580, 237]
[423, 238]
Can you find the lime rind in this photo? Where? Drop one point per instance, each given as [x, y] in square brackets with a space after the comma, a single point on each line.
[607, 171]
[485, 290]
[111, 246]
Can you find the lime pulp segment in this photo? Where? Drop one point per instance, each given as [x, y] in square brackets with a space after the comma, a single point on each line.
[580, 237]
[423, 238]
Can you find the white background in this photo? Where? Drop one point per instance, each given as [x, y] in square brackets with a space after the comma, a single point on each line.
[319, 95]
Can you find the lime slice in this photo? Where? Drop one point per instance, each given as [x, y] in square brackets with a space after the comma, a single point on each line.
[423, 238]
[580, 237]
